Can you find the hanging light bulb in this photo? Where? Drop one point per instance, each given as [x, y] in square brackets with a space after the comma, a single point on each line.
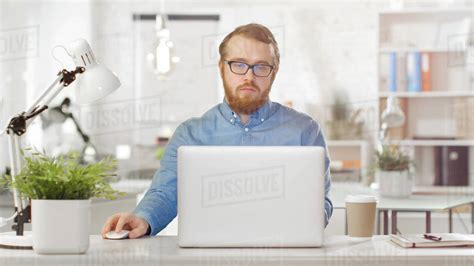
[161, 57]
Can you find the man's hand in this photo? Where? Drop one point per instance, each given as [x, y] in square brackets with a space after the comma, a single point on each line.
[126, 221]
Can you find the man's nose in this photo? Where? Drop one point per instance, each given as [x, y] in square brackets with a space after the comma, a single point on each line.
[249, 75]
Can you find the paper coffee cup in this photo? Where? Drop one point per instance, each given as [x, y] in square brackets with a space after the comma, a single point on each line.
[360, 211]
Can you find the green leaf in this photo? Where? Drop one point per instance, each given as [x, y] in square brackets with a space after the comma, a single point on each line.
[62, 177]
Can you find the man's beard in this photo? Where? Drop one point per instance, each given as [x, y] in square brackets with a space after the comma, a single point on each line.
[245, 104]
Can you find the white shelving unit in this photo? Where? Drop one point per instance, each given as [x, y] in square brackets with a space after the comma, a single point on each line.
[349, 150]
[432, 117]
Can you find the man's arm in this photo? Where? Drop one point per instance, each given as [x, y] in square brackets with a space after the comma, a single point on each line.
[159, 205]
[315, 137]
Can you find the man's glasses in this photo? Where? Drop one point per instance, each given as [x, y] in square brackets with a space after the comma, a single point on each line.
[240, 68]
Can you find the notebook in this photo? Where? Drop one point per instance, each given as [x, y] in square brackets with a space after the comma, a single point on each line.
[447, 240]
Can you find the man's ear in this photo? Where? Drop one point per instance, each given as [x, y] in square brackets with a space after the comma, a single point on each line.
[221, 67]
[274, 73]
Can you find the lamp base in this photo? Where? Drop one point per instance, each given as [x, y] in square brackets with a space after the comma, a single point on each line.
[12, 241]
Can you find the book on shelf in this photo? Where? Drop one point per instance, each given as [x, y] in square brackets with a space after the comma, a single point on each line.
[345, 164]
[401, 72]
[414, 72]
[397, 72]
[392, 73]
[433, 240]
[426, 71]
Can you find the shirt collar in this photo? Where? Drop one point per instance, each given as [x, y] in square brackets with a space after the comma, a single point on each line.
[257, 117]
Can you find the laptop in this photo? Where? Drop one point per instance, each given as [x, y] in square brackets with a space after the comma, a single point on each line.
[251, 196]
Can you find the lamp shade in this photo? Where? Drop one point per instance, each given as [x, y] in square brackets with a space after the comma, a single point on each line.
[393, 115]
[97, 81]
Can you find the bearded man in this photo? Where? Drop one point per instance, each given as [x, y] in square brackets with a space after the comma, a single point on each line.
[249, 62]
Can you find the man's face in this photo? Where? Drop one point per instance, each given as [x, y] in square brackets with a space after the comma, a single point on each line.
[246, 93]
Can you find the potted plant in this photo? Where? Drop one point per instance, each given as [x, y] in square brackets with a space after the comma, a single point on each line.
[344, 122]
[393, 172]
[60, 189]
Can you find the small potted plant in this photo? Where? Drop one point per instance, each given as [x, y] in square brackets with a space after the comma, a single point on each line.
[393, 172]
[60, 189]
[344, 122]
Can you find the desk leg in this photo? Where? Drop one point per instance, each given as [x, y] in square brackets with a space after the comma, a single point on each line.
[394, 222]
[378, 222]
[472, 217]
[345, 223]
[450, 220]
[385, 222]
[428, 222]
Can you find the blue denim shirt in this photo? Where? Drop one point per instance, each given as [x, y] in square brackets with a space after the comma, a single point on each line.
[271, 125]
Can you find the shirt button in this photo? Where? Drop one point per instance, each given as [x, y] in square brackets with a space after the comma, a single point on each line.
[263, 119]
[232, 120]
[246, 129]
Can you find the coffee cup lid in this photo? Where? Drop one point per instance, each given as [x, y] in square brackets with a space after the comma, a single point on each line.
[361, 198]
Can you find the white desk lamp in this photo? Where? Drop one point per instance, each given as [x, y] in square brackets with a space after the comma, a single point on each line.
[94, 83]
[391, 117]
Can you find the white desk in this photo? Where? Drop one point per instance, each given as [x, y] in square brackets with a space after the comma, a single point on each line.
[415, 203]
[422, 203]
[338, 250]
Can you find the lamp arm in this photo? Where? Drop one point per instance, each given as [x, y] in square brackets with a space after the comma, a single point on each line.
[18, 125]
[45, 93]
[65, 78]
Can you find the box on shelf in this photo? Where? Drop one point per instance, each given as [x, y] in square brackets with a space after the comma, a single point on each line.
[464, 117]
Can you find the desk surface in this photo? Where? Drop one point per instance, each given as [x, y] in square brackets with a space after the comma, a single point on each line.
[424, 203]
[413, 203]
[337, 250]
[417, 203]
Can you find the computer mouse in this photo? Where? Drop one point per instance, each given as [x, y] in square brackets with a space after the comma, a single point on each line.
[114, 235]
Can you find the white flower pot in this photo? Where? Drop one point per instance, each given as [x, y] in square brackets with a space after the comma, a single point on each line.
[395, 184]
[60, 226]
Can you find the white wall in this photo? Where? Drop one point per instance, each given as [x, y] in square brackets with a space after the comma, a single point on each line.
[324, 44]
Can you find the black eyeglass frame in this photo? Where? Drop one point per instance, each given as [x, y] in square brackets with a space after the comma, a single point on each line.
[249, 67]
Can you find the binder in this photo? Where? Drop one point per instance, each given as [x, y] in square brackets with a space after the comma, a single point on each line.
[392, 73]
[451, 166]
[426, 71]
[414, 71]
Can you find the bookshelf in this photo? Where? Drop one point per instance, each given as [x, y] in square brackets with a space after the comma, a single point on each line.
[348, 160]
[440, 110]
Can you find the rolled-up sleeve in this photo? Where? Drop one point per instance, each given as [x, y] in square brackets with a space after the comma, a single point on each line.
[159, 205]
[314, 136]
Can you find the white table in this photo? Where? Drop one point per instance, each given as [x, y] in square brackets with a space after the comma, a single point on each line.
[421, 203]
[337, 250]
[416, 203]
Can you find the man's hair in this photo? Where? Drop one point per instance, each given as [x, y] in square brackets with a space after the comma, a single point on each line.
[256, 32]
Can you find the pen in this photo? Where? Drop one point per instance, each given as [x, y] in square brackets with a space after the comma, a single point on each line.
[432, 237]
